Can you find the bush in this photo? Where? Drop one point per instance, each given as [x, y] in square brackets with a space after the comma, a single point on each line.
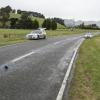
[53, 25]
[5, 36]
[13, 22]
[25, 22]
[49, 24]
[35, 24]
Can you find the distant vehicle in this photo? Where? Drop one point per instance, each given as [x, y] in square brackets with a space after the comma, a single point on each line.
[88, 35]
[37, 34]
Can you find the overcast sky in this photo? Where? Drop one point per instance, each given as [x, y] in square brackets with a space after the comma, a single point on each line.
[67, 9]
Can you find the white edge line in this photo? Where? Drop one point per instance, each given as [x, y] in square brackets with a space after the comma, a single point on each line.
[64, 83]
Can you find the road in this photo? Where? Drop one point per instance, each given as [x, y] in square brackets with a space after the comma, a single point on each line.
[36, 68]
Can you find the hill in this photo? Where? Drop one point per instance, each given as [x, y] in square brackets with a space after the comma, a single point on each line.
[12, 15]
[71, 22]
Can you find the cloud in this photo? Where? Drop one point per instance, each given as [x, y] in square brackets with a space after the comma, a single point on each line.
[77, 9]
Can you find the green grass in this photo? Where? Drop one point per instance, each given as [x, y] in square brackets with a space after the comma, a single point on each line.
[68, 32]
[40, 20]
[13, 15]
[14, 31]
[86, 81]
[4, 42]
[10, 36]
[59, 26]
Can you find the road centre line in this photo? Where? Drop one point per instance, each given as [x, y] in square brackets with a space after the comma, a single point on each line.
[38, 50]
[21, 57]
[33, 52]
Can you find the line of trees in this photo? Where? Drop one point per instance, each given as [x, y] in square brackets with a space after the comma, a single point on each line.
[59, 20]
[35, 14]
[91, 26]
[25, 22]
[49, 24]
[5, 14]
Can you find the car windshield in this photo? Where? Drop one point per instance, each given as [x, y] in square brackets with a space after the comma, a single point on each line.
[36, 31]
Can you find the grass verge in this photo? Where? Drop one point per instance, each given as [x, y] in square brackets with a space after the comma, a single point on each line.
[11, 41]
[86, 81]
[12, 36]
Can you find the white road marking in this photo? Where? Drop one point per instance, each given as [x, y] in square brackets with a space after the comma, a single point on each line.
[21, 57]
[64, 83]
[33, 52]
[38, 50]
[57, 42]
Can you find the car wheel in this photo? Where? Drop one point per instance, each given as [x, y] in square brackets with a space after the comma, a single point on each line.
[44, 37]
[38, 37]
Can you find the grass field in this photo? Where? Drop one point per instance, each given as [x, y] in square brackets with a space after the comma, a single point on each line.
[10, 36]
[12, 15]
[86, 81]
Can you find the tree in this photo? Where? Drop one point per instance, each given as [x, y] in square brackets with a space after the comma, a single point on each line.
[25, 22]
[24, 16]
[13, 22]
[59, 20]
[53, 25]
[4, 19]
[13, 11]
[47, 24]
[94, 26]
[4, 14]
[29, 24]
[44, 24]
[8, 9]
[36, 24]
[18, 11]
[90, 26]
[82, 26]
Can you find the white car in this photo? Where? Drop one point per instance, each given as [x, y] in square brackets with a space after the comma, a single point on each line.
[37, 34]
[88, 35]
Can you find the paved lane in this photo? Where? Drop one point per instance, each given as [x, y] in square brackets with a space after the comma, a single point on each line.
[37, 76]
[10, 52]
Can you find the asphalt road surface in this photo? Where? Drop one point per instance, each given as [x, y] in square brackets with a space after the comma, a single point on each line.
[36, 68]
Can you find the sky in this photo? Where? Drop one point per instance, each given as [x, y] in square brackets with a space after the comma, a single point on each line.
[87, 10]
